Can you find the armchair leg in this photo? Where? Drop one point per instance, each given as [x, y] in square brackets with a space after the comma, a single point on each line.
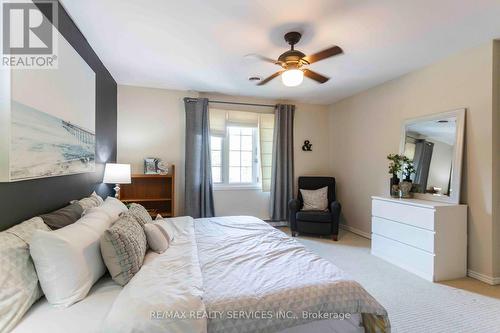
[335, 238]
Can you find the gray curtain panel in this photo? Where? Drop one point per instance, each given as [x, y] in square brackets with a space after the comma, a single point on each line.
[282, 177]
[422, 163]
[199, 200]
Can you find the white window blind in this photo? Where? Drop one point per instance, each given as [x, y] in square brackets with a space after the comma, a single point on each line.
[266, 133]
[242, 119]
[217, 122]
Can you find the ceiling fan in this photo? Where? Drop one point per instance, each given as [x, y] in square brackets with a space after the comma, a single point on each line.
[293, 62]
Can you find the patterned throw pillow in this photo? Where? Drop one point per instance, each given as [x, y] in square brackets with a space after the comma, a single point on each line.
[140, 214]
[315, 199]
[19, 287]
[123, 247]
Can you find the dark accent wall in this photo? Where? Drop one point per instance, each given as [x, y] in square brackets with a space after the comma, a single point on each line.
[22, 200]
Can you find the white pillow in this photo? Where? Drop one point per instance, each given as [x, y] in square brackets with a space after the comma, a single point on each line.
[68, 260]
[111, 206]
[315, 199]
[167, 225]
[157, 237]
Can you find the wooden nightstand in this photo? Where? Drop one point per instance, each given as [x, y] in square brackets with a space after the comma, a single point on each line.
[155, 192]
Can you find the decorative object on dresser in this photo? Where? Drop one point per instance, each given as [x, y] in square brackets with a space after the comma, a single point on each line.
[324, 222]
[155, 192]
[427, 238]
[117, 174]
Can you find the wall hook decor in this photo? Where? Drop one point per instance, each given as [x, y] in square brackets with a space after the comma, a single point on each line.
[307, 146]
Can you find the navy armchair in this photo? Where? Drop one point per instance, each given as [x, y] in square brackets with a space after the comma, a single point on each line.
[315, 222]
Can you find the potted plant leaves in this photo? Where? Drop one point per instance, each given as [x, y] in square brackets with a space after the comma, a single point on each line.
[395, 166]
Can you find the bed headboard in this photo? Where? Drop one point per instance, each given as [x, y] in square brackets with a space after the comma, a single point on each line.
[25, 199]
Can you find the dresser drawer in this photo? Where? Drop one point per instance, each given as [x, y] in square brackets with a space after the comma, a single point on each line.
[414, 260]
[408, 214]
[404, 233]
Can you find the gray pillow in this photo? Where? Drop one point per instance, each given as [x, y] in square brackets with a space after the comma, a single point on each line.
[63, 217]
[315, 199]
[140, 214]
[123, 247]
[19, 287]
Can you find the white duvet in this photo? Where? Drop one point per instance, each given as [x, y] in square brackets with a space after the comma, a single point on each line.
[162, 295]
[237, 274]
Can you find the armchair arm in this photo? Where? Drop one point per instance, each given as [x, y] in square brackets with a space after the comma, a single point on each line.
[335, 209]
[293, 208]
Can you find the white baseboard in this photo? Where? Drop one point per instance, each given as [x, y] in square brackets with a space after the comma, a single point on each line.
[483, 277]
[356, 231]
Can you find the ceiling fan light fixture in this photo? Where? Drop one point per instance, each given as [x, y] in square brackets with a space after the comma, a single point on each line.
[292, 77]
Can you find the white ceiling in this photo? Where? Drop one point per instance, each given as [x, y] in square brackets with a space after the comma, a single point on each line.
[200, 44]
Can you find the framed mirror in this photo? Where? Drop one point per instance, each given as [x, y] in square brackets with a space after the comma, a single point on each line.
[435, 146]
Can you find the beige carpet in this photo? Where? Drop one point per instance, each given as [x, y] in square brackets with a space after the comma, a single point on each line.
[414, 304]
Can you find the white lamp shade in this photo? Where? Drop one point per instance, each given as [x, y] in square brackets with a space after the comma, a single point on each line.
[292, 77]
[117, 174]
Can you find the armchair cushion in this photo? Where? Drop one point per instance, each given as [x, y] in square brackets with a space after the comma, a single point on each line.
[314, 216]
[315, 199]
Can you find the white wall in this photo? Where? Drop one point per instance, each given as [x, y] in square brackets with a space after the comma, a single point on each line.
[242, 202]
[151, 123]
[366, 127]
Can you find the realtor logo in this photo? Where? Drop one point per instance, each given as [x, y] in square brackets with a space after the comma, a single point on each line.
[28, 36]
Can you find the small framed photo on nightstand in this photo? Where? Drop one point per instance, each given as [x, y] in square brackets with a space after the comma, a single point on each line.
[150, 166]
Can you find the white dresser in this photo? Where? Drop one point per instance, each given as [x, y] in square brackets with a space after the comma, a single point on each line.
[426, 238]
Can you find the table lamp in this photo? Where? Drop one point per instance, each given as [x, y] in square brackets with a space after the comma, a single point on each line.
[117, 174]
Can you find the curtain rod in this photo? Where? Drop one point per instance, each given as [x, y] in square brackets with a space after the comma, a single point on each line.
[236, 103]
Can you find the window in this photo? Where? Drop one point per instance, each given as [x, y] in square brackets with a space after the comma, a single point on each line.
[242, 155]
[234, 157]
[236, 141]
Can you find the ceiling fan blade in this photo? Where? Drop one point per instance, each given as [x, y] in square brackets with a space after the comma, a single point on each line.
[332, 51]
[263, 58]
[315, 76]
[266, 80]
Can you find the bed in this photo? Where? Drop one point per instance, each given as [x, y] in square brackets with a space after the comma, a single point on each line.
[224, 274]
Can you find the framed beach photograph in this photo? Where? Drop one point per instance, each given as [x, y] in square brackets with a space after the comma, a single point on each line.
[47, 119]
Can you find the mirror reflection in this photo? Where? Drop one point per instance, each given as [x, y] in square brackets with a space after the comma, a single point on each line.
[430, 145]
